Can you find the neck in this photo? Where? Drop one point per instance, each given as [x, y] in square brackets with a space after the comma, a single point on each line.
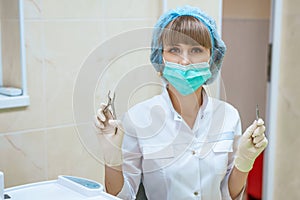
[186, 105]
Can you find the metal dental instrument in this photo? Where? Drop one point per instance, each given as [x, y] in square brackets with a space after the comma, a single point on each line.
[111, 103]
[257, 112]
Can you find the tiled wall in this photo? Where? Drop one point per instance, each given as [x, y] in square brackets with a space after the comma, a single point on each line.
[41, 141]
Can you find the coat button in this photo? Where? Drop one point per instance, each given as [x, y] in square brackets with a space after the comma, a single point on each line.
[196, 193]
[193, 152]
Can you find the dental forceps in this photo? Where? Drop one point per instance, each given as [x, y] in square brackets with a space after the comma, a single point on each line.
[111, 103]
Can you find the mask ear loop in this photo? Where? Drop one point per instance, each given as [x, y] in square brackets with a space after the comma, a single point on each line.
[209, 61]
[160, 74]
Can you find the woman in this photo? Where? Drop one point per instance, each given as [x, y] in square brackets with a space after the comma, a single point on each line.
[181, 144]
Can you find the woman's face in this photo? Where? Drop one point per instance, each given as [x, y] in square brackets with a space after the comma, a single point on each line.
[186, 54]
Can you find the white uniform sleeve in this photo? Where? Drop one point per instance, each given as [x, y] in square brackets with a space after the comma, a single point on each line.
[224, 184]
[131, 163]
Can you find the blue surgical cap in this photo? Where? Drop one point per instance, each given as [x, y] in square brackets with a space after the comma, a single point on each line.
[218, 46]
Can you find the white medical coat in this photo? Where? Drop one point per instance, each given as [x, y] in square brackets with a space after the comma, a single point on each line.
[174, 161]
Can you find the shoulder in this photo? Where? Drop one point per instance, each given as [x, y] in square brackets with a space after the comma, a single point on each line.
[222, 106]
[226, 114]
[147, 105]
[145, 111]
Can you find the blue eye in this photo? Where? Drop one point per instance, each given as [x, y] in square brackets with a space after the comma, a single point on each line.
[174, 50]
[196, 50]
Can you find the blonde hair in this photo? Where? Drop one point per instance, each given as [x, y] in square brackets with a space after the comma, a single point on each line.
[186, 30]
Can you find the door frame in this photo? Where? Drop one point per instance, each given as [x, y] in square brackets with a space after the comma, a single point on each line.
[272, 104]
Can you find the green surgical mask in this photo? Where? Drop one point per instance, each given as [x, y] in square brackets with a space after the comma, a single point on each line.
[186, 79]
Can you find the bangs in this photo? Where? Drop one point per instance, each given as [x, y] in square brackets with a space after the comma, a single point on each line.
[186, 30]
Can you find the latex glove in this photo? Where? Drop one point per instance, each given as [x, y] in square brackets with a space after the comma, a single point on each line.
[110, 136]
[251, 144]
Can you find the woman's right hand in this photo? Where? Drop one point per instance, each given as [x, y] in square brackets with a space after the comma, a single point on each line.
[110, 136]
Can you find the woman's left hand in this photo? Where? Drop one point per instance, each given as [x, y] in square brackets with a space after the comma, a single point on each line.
[251, 144]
